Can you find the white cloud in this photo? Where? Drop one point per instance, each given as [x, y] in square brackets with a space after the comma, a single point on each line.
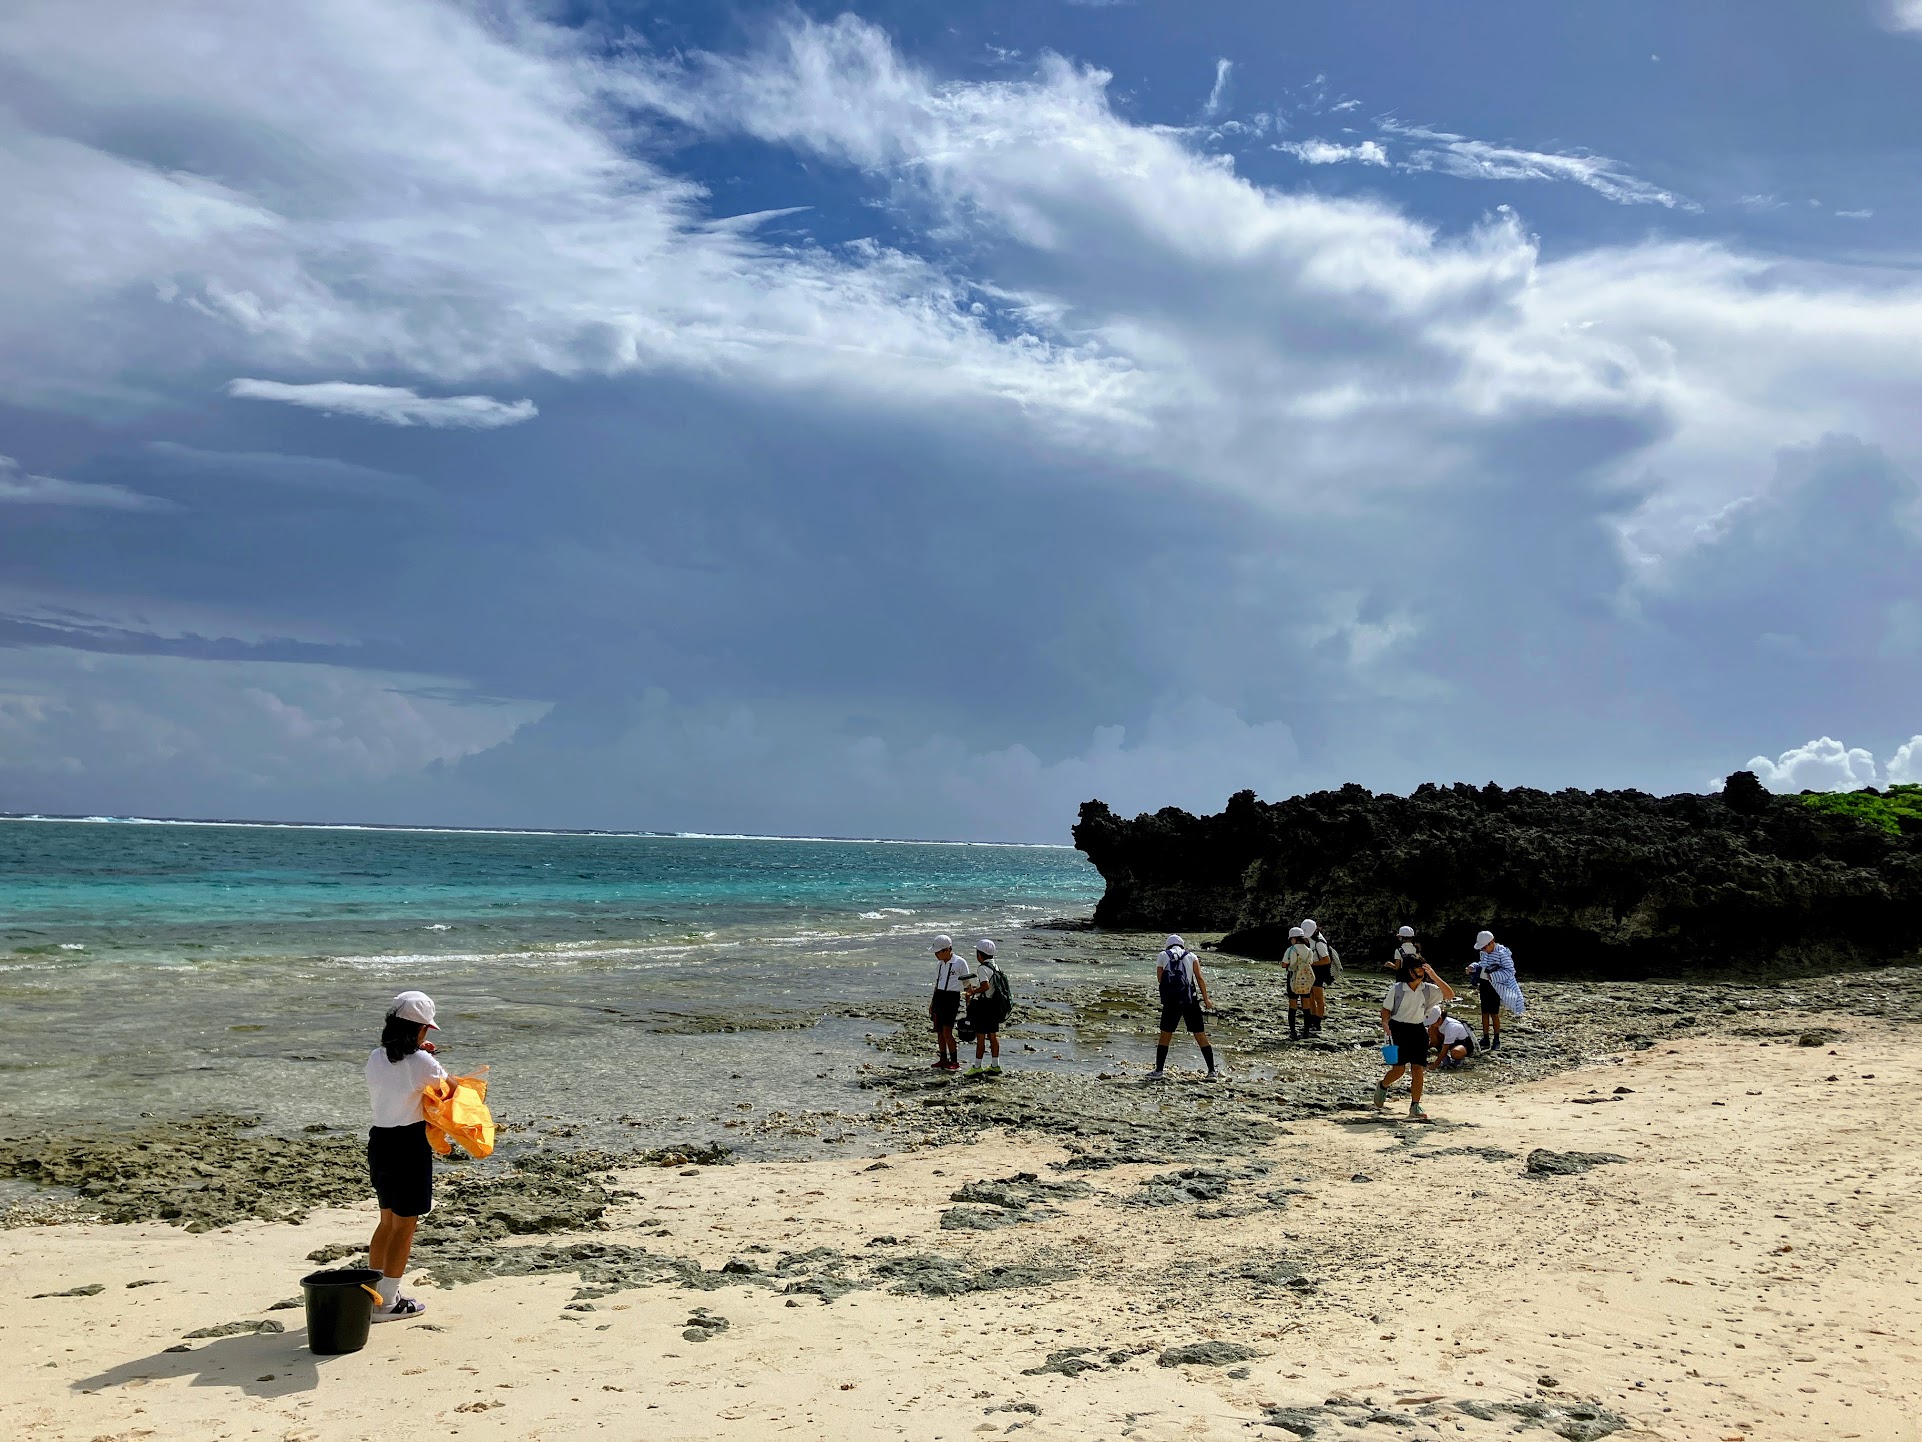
[391, 405]
[19, 488]
[97, 723]
[1824, 764]
[1218, 95]
[1327, 152]
[1905, 766]
[1468, 159]
[428, 196]
[1855, 214]
[1904, 15]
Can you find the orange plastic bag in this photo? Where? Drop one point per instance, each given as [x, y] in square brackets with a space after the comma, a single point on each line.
[456, 1111]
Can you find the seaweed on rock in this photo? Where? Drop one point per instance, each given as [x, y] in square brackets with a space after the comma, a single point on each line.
[1613, 882]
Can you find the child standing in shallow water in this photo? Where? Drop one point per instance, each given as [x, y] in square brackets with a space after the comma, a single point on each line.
[399, 1160]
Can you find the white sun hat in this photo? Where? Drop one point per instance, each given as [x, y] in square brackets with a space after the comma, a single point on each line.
[1308, 927]
[1406, 933]
[1294, 932]
[414, 1006]
[1482, 938]
[941, 944]
[984, 947]
[1172, 942]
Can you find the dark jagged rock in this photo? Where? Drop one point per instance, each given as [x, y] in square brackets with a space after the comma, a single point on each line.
[1613, 882]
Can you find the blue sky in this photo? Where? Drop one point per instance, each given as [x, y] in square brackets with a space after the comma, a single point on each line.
[896, 419]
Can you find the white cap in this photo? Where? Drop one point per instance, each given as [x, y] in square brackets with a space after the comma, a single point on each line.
[1308, 927]
[941, 944]
[1482, 938]
[1406, 933]
[1172, 942]
[1295, 931]
[414, 1006]
[1434, 1015]
[984, 947]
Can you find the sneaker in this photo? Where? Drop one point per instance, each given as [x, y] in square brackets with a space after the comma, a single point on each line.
[976, 1070]
[1495, 1043]
[1381, 1097]
[1415, 1113]
[403, 1307]
[1156, 1075]
[994, 1068]
[1214, 1074]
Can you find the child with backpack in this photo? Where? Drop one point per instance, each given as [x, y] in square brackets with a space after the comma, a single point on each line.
[989, 1002]
[1327, 968]
[1184, 1001]
[1298, 965]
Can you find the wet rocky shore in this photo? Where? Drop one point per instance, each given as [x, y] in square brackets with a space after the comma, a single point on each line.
[1076, 1052]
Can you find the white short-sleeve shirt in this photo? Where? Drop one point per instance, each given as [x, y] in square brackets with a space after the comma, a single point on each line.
[1409, 1004]
[952, 974]
[394, 1087]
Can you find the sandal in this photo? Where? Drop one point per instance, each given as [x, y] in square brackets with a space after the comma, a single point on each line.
[403, 1307]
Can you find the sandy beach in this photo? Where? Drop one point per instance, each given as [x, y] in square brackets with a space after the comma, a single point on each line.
[1746, 1270]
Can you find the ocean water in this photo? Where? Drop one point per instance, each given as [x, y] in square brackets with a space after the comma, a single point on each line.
[636, 982]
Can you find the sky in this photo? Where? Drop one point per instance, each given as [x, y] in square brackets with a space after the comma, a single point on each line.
[891, 419]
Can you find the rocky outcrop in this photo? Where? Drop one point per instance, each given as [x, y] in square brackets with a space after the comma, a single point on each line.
[1610, 882]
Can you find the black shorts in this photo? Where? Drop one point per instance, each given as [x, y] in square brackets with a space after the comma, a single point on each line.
[401, 1166]
[947, 1006]
[1491, 999]
[1174, 1017]
[985, 1015]
[1467, 1043]
[1324, 973]
[1411, 1042]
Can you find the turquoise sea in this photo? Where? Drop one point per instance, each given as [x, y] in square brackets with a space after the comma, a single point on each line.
[169, 968]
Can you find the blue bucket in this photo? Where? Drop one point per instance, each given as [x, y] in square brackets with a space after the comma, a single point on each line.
[1391, 1054]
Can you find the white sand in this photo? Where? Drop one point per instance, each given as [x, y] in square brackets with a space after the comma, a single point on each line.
[1750, 1272]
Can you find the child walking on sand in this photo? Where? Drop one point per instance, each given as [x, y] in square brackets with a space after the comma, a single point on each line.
[1404, 1019]
[399, 1160]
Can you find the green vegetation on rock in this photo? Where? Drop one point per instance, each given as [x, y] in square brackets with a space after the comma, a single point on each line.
[1886, 809]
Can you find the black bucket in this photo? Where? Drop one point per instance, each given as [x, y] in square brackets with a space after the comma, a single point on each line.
[340, 1308]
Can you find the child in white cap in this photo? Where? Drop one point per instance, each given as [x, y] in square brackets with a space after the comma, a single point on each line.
[1298, 965]
[399, 1161]
[951, 976]
[1493, 970]
[988, 1007]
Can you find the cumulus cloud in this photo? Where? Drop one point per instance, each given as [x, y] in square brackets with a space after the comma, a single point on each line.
[1468, 159]
[1905, 766]
[390, 405]
[76, 729]
[1392, 459]
[1328, 152]
[20, 488]
[1824, 764]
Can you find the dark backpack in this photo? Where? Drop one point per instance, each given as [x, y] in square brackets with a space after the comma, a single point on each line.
[1177, 981]
[1001, 992]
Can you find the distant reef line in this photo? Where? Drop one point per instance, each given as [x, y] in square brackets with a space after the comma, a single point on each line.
[1614, 883]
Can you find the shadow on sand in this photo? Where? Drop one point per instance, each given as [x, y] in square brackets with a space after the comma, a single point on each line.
[261, 1365]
